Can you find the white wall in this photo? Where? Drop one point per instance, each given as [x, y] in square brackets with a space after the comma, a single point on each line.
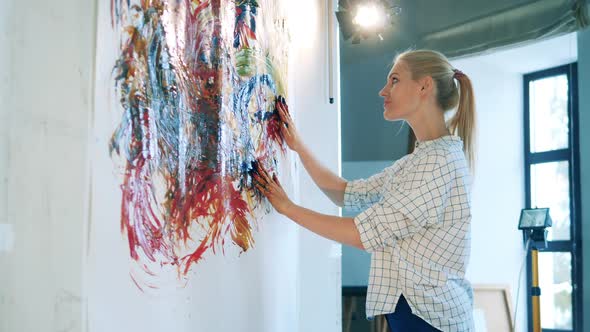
[5, 9]
[319, 285]
[498, 190]
[45, 93]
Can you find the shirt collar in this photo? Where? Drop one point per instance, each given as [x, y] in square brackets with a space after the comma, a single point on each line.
[443, 139]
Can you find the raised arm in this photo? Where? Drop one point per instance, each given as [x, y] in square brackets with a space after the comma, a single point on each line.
[335, 228]
[331, 184]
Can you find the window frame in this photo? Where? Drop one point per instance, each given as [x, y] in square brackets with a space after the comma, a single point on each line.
[570, 154]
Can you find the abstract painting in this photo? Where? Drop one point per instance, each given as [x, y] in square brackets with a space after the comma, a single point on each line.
[198, 84]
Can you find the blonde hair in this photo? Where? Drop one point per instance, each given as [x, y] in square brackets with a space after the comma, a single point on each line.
[449, 95]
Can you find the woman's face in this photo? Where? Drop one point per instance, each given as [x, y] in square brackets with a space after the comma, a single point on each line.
[401, 94]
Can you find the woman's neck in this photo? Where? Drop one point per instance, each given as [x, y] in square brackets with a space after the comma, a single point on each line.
[429, 127]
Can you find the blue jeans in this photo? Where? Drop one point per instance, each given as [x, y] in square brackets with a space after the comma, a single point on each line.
[402, 320]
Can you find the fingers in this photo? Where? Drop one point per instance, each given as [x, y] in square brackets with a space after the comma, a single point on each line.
[260, 179]
[284, 105]
[264, 173]
[288, 123]
[284, 114]
[283, 110]
[263, 187]
[260, 187]
[267, 189]
[286, 132]
[267, 184]
[276, 179]
[260, 176]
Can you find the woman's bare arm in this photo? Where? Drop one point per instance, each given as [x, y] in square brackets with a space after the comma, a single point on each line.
[331, 184]
[339, 229]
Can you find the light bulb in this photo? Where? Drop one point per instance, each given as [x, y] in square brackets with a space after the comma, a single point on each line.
[369, 16]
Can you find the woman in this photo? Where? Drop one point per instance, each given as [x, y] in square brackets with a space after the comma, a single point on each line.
[416, 218]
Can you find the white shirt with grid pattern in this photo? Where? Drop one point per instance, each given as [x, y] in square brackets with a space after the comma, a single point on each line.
[417, 227]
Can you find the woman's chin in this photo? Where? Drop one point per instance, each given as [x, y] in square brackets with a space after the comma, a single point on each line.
[389, 117]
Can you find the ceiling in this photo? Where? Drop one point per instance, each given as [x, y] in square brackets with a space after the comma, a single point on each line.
[533, 57]
[420, 17]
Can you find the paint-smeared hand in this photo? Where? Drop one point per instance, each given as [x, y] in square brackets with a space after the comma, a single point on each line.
[271, 188]
[288, 128]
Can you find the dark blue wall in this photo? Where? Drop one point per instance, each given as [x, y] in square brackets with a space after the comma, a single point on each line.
[584, 123]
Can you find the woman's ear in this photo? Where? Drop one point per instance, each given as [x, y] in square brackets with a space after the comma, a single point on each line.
[427, 84]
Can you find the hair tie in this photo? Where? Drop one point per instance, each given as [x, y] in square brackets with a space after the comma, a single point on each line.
[458, 74]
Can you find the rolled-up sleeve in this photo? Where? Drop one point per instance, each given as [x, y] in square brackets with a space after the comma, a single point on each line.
[361, 194]
[417, 202]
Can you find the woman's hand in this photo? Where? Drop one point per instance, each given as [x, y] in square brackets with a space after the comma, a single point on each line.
[271, 188]
[288, 129]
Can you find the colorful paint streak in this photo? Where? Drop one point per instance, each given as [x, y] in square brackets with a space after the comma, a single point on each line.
[199, 91]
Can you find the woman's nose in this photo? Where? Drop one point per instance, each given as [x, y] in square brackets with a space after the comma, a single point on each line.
[382, 93]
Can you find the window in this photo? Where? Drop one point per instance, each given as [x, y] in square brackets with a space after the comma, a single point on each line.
[552, 180]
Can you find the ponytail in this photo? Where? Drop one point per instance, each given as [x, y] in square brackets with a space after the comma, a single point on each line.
[462, 123]
[454, 90]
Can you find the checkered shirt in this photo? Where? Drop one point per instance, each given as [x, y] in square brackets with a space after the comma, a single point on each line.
[416, 224]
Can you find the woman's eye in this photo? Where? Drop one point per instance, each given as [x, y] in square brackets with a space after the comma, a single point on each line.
[394, 80]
